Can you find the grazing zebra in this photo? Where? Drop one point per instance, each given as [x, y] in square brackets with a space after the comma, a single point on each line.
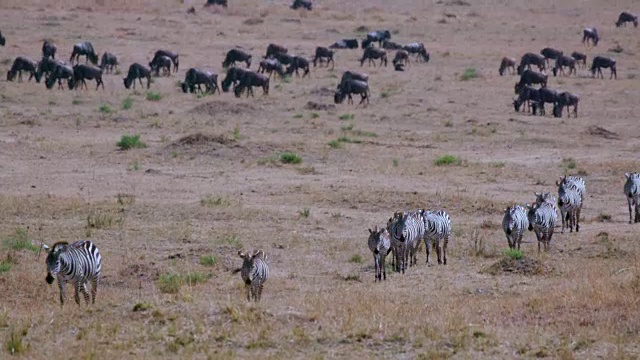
[570, 204]
[632, 191]
[79, 262]
[380, 245]
[437, 230]
[406, 230]
[542, 219]
[254, 272]
[515, 223]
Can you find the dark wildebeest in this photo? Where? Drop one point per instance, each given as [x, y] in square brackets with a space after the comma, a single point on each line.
[46, 66]
[323, 53]
[49, 50]
[550, 54]
[590, 34]
[345, 44]
[398, 67]
[390, 45]
[216, 2]
[305, 4]
[529, 59]
[566, 99]
[530, 77]
[563, 61]
[3, 40]
[507, 63]
[273, 49]
[175, 58]
[371, 54]
[249, 80]
[545, 95]
[161, 62]
[108, 62]
[418, 49]
[350, 87]
[60, 72]
[527, 95]
[236, 55]
[234, 74]
[82, 72]
[626, 17]
[137, 71]
[600, 62]
[84, 48]
[284, 58]
[352, 75]
[195, 77]
[299, 63]
[21, 64]
[401, 57]
[271, 66]
[580, 58]
[379, 36]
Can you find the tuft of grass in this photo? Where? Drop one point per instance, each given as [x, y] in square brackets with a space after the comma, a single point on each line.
[468, 74]
[447, 160]
[498, 164]
[273, 160]
[335, 144]
[14, 344]
[348, 127]
[105, 109]
[346, 117]
[315, 115]
[298, 116]
[76, 101]
[290, 158]
[513, 254]
[170, 283]
[356, 258]
[127, 103]
[130, 142]
[214, 201]
[20, 241]
[208, 260]
[134, 166]
[384, 94]
[396, 162]
[99, 220]
[448, 123]
[142, 306]
[305, 212]
[194, 278]
[346, 139]
[232, 241]
[569, 163]
[153, 96]
[5, 266]
[236, 133]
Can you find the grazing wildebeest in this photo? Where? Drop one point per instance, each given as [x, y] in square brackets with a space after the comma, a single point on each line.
[345, 44]
[590, 34]
[323, 53]
[236, 55]
[527, 95]
[379, 36]
[418, 49]
[529, 59]
[371, 54]
[137, 71]
[249, 80]
[161, 62]
[530, 77]
[390, 45]
[350, 87]
[563, 61]
[299, 63]
[367, 43]
[270, 66]
[108, 62]
[305, 4]
[82, 72]
[600, 62]
[566, 99]
[49, 50]
[60, 72]
[352, 75]
[175, 58]
[84, 48]
[46, 66]
[550, 54]
[626, 17]
[507, 63]
[545, 95]
[398, 67]
[3, 40]
[580, 58]
[21, 64]
[234, 74]
[401, 57]
[274, 49]
[194, 77]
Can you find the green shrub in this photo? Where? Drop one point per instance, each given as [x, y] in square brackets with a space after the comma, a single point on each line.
[468, 74]
[170, 283]
[446, 160]
[127, 103]
[513, 254]
[153, 96]
[20, 241]
[130, 142]
[290, 158]
[208, 260]
[105, 109]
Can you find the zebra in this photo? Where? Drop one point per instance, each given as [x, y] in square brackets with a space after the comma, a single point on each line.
[575, 182]
[437, 228]
[570, 204]
[515, 223]
[406, 230]
[380, 245]
[79, 262]
[632, 191]
[254, 272]
[542, 219]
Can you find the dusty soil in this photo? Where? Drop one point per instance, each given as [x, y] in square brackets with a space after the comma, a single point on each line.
[170, 218]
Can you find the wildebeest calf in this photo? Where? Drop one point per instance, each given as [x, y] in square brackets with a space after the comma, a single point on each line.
[390, 45]
[21, 64]
[507, 63]
[249, 80]
[626, 17]
[82, 72]
[600, 62]
[371, 54]
[137, 71]
[195, 77]
[236, 55]
[350, 87]
[590, 34]
[108, 62]
[49, 50]
[323, 53]
[345, 44]
[84, 48]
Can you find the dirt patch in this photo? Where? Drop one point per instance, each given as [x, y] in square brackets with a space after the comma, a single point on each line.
[524, 266]
[200, 139]
[312, 105]
[602, 132]
[223, 107]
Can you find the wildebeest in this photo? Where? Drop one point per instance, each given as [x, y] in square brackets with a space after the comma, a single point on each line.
[299, 63]
[274, 49]
[108, 62]
[350, 87]
[345, 44]
[84, 48]
[398, 67]
[371, 54]
[580, 58]
[379, 36]
[3, 40]
[175, 58]
[507, 63]
[234, 74]
[550, 54]
[60, 72]
[401, 57]
[305, 4]
[216, 2]
[529, 59]
[323, 53]
[161, 62]
[626, 17]
[21, 64]
[530, 77]
[249, 80]
[390, 45]
[49, 50]
[352, 75]
[526, 95]
[236, 55]
[566, 99]
[563, 61]
[195, 77]
[137, 71]
[600, 62]
[82, 72]
[590, 34]
[270, 66]
[545, 95]
[418, 49]
[46, 66]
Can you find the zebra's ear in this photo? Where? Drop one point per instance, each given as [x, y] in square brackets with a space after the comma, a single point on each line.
[241, 254]
[627, 175]
[370, 232]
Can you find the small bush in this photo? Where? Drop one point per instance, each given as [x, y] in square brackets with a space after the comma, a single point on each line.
[305, 212]
[213, 201]
[514, 254]
[346, 117]
[446, 160]
[208, 260]
[14, 344]
[468, 74]
[153, 96]
[236, 133]
[143, 306]
[127, 103]
[569, 163]
[105, 109]
[315, 115]
[20, 241]
[4, 266]
[130, 142]
[357, 258]
[170, 283]
[290, 158]
[335, 144]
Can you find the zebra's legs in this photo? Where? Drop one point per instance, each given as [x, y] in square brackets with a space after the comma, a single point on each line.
[382, 264]
[76, 293]
[94, 290]
[630, 201]
[85, 292]
[248, 287]
[637, 206]
[61, 286]
[444, 250]
[426, 245]
[563, 215]
[438, 250]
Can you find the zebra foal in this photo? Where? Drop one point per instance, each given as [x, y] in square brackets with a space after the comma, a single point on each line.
[78, 263]
[514, 224]
[632, 192]
[379, 243]
[254, 272]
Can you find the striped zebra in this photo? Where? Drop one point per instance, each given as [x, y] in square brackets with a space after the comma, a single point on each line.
[380, 245]
[632, 192]
[546, 197]
[79, 263]
[574, 182]
[514, 224]
[254, 272]
[542, 220]
[570, 204]
[437, 230]
[406, 230]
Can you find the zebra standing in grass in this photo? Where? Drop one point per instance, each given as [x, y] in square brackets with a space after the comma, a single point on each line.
[79, 263]
[570, 195]
[632, 191]
[254, 272]
[380, 245]
[406, 230]
[437, 230]
[515, 223]
[542, 219]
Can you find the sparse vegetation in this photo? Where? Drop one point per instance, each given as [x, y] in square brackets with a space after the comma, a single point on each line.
[290, 158]
[131, 142]
[356, 258]
[14, 343]
[19, 241]
[5, 266]
[447, 160]
[215, 201]
[346, 117]
[127, 103]
[569, 163]
[305, 212]
[468, 74]
[105, 109]
[208, 260]
[153, 96]
[513, 254]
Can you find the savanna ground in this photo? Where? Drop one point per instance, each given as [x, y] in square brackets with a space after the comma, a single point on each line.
[169, 218]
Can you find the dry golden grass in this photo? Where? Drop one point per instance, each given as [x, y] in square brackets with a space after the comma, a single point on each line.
[212, 181]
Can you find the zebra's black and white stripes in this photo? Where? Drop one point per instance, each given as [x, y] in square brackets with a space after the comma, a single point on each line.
[254, 272]
[79, 263]
[632, 192]
[570, 204]
[379, 243]
[514, 224]
[542, 219]
[406, 229]
[437, 230]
